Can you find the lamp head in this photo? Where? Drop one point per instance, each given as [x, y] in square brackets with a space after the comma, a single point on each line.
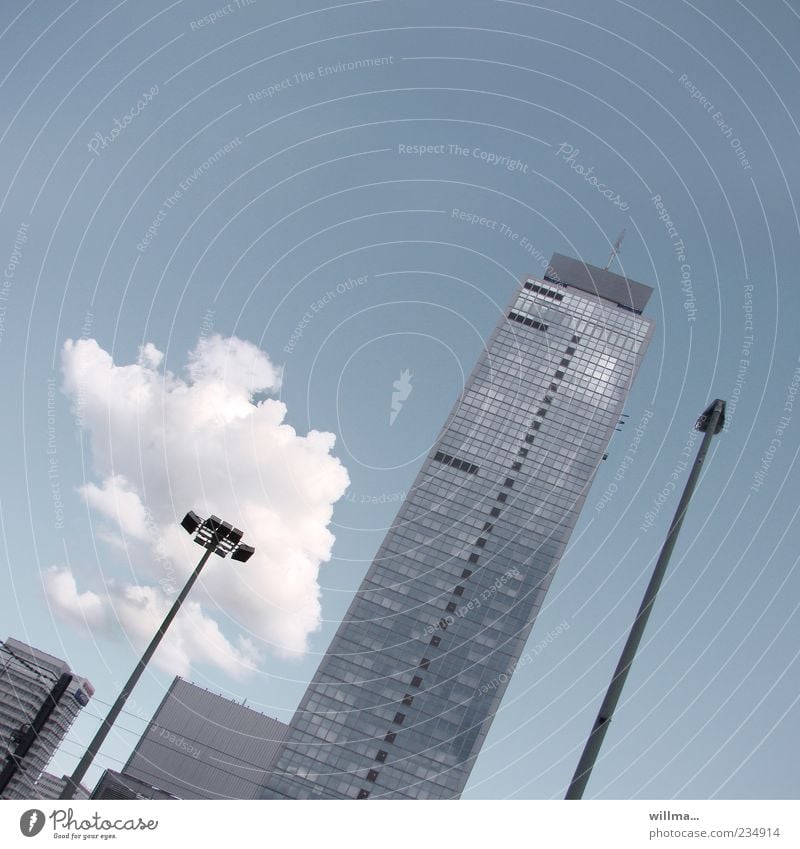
[243, 553]
[191, 522]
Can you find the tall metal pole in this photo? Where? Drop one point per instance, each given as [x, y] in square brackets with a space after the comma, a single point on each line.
[710, 422]
[71, 784]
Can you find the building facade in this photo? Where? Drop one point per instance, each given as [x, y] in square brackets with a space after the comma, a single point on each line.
[200, 745]
[404, 697]
[117, 785]
[27, 676]
[49, 786]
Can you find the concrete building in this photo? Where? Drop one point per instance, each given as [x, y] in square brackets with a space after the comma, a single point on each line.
[49, 786]
[117, 785]
[200, 745]
[404, 698]
[27, 676]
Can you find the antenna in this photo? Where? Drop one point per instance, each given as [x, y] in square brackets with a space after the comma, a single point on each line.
[616, 249]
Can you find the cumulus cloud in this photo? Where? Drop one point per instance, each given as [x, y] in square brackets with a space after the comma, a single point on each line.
[162, 444]
[83, 609]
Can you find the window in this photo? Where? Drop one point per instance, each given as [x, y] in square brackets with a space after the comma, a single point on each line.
[363, 794]
[473, 558]
[575, 340]
[564, 362]
[480, 542]
[523, 452]
[381, 756]
[451, 607]
[449, 460]
[435, 641]
[487, 526]
[570, 351]
[515, 467]
[416, 681]
[423, 664]
[495, 511]
[509, 482]
[372, 775]
[559, 375]
[502, 496]
[407, 699]
[442, 623]
[536, 425]
[529, 438]
[554, 386]
[458, 591]
[548, 399]
[541, 412]
[465, 573]
[399, 717]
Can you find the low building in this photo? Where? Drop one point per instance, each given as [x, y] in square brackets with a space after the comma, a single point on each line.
[201, 745]
[49, 786]
[116, 785]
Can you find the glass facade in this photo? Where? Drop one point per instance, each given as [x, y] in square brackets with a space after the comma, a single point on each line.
[403, 699]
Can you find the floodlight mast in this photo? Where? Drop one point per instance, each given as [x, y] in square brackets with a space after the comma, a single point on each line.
[217, 537]
[711, 423]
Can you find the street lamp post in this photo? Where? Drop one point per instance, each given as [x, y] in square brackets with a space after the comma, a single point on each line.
[710, 423]
[217, 537]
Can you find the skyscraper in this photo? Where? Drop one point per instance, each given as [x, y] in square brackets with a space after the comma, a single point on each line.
[27, 676]
[406, 693]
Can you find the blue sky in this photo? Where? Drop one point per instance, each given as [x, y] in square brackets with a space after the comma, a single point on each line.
[267, 153]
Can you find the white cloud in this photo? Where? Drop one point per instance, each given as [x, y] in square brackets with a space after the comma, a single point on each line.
[115, 500]
[161, 445]
[84, 609]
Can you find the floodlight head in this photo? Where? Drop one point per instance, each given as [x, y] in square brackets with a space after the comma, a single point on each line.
[235, 536]
[191, 522]
[243, 553]
[702, 423]
[213, 523]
